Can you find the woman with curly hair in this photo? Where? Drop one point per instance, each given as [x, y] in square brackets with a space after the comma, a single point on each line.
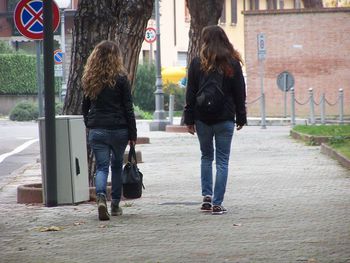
[215, 101]
[109, 114]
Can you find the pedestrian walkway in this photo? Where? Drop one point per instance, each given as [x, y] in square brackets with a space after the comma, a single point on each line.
[287, 203]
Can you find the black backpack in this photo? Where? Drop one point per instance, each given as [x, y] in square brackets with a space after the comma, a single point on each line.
[210, 98]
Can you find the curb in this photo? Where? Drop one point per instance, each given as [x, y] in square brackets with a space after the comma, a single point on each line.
[327, 150]
[310, 139]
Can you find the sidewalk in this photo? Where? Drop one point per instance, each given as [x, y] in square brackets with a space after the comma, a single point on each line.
[287, 203]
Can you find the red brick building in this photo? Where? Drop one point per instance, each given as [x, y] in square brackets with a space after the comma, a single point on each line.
[313, 45]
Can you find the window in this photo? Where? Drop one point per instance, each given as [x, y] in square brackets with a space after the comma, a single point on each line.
[233, 12]
[253, 4]
[271, 4]
[182, 58]
[223, 14]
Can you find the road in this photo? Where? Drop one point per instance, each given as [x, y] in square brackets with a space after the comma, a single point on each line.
[19, 146]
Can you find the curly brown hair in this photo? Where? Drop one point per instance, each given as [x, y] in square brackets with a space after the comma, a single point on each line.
[102, 67]
[217, 52]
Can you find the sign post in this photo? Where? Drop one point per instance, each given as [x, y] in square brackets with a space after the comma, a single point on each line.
[150, 37]
[261, 58]
[28, 18]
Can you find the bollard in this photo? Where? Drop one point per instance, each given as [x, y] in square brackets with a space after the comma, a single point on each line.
[292, 112]
[312, 108]
[171, 108]
[323, 108]
[341, 106]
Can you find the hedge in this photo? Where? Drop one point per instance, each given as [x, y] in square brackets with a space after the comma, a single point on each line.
[18, 75]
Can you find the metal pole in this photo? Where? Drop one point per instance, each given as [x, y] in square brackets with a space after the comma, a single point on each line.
[262, 102]
[312, 108]
[323, 108]
[50, 125]
[63, 48]
[39, 79]
[292, 96]
[341, 106]
[171, 108]
[285, 94]
[159, 122]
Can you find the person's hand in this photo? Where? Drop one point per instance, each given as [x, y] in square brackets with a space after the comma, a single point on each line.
[132, 143]
[239, 127]
[191, 129]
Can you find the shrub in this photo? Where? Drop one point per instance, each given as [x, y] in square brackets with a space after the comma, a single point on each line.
[143, 94]
[140, 114]
[24, 111]
[179, 93]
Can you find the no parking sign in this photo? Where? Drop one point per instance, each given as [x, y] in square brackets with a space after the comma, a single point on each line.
[28, 16]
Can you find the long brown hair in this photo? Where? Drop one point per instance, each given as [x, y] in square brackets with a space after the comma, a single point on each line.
[217, 52]
[102, 67]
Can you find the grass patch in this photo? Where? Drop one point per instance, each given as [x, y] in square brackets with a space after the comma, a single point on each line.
[324, 130]
[340, 135]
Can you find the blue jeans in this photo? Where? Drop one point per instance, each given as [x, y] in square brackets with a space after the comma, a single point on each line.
[105, 143]
[223, 133]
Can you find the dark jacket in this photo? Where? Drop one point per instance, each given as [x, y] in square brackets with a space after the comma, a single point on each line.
[235, 96]
[112, 109]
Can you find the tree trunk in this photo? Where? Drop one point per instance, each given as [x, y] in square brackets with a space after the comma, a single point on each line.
[122, 20]
[203, 13]
[312, 3]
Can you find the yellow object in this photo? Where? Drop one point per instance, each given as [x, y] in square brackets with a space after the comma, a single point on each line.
[173, 74]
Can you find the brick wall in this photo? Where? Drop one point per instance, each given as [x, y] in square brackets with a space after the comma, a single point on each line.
[313, 45]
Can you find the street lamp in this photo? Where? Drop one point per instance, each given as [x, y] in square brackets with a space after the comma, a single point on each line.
[63, 4]
[159, 122]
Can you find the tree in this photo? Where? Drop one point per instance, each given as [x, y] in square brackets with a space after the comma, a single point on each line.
[313, 3]
[203, 13]
[122, 20]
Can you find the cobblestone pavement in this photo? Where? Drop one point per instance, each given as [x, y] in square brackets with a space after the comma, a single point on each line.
[287, 203]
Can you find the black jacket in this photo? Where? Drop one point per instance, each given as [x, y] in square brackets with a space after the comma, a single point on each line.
[233, 87]
[112, 109]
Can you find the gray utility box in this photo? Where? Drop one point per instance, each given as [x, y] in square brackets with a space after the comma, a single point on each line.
[72, 167]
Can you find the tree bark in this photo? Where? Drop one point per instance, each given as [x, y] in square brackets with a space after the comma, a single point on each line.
[203, 13]
[312, 3]
[122, 20]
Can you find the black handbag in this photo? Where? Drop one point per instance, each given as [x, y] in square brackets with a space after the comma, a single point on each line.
[132, 177]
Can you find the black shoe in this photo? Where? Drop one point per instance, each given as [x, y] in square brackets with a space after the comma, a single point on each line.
[116, 210]
[218, 210]
[102, 207]
[206, 205]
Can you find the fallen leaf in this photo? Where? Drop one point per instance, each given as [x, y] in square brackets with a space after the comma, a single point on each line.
[79, 223]
[51, 228]
[102, 226]
[237, 224]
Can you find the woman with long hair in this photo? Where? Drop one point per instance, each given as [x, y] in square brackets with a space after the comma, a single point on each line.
[215, 101]
[109, 114]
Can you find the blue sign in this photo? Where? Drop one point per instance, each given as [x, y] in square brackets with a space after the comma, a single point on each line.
[58, 56]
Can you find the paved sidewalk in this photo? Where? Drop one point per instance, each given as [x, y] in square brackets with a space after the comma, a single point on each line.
[287, 203]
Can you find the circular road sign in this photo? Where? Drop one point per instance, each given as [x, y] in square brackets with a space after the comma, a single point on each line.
[285, 81]
[150, 35]
[28, 16]
[57, 55]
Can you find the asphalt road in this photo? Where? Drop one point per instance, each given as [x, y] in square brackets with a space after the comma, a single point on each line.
[19, 146]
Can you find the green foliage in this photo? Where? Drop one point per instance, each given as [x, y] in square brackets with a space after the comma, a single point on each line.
[179, 93]
[341, 144]
[24, 111]
[324, 130]
[59, 108]
[17, 74]
[140, 114]
[5, 48]
[145, 87]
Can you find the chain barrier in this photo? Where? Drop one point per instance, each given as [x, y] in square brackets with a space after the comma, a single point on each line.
[322, 103]
[300, 103]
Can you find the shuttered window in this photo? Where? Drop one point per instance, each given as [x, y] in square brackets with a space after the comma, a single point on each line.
[223, 14]
[233, 11]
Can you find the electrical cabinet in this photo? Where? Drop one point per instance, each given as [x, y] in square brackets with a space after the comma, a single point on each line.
[71, 155]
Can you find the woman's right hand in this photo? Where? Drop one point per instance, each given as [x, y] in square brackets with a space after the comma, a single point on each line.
[191, 129]
[132, 143]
